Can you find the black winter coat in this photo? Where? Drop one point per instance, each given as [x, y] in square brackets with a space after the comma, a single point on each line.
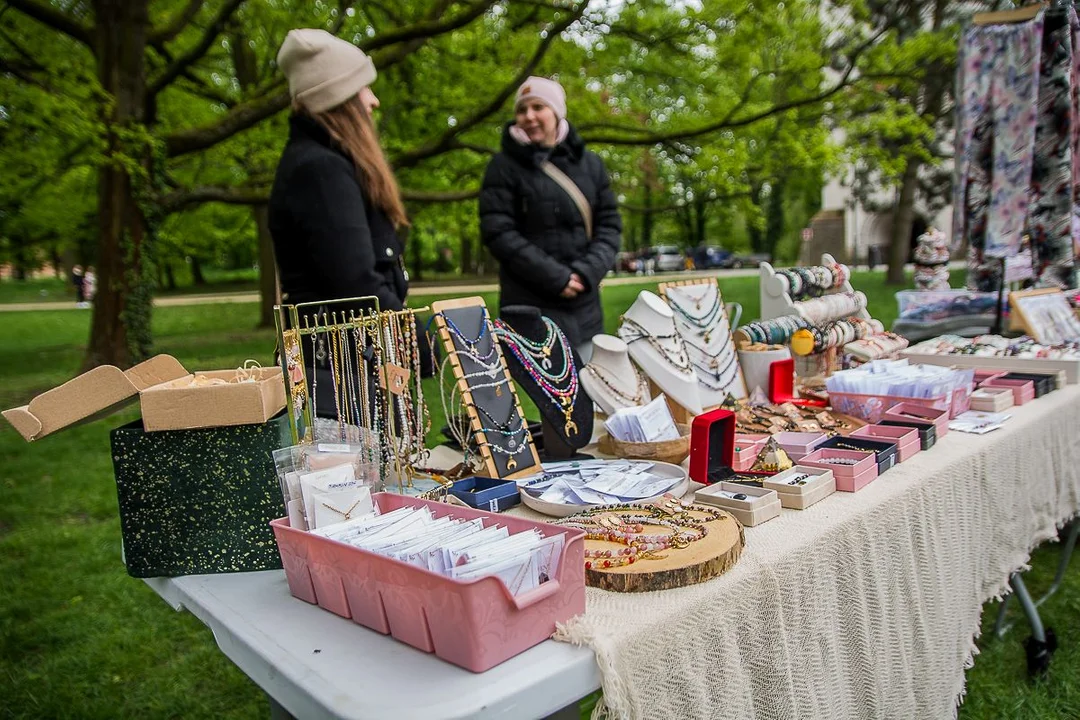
[329, 240]
[535, 231]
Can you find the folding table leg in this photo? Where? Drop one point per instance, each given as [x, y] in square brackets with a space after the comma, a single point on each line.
[1072, 531]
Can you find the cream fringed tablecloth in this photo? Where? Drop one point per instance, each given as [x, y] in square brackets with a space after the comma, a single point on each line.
[866, 605]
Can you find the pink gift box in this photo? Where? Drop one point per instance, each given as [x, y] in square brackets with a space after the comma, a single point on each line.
[1023, 390]
[849, 478]
[914, 411]
[799, 444]
[475, 624]
[906, 439]
[982, 376]
[747, 448]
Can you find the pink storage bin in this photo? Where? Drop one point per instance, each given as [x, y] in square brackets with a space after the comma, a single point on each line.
[906, 439]
[849, 478]
[747, 447]
[872, 408]
[908, 410]
[474, 624]
[799, 444]
[1023, 390]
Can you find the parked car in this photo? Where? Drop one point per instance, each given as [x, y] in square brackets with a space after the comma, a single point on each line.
[709, 256]
[747, 260]
[666, 258]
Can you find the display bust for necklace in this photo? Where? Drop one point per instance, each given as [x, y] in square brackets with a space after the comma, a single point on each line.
[702, 321]
[570, 415]
[648, 329]
[611, 379]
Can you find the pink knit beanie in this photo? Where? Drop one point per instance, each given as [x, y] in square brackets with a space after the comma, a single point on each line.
[546, 91]
[323, 71]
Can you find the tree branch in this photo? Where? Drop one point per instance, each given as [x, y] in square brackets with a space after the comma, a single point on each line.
[428, 28]
[177, 67]
[727, 122]
[186, 198]
[55, 19]
[239, 118]
[24, 71]
[176, 26]
[448, 139]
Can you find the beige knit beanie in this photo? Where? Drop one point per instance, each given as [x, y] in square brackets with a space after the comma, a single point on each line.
[323, 71]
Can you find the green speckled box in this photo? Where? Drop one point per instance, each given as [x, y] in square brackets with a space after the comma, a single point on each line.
[199, 501]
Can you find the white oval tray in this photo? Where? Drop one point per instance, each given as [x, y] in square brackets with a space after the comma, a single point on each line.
[560, 510]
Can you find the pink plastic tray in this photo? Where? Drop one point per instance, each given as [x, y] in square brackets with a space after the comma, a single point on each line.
[906, 439]
[475, 624]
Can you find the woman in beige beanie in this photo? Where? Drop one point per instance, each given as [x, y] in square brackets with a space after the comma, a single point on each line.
[335, 208]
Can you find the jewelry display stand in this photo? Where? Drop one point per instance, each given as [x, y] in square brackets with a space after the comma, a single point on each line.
[375, 372]
[568, 426]
[473, 336]
[776, 299]
[702, 319]
[611, 379]
[702, 560]
[648, 329]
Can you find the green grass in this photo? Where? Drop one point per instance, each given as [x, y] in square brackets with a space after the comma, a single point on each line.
[79, 638]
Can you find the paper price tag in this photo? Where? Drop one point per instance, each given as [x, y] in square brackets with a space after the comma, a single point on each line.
[394, 378]
[333, 448]
[493, 505]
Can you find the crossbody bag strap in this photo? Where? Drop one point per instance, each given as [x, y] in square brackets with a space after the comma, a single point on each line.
[573, 191]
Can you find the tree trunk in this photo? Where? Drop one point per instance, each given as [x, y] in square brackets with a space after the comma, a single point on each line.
[417, 254]
[268, 279]
[247, 75]
[757, 237]
[903, 219]
[197, 276]
[170, 276]
[647, 217]
[466, 253]
[774, 220]
[700, 217]
[120, 329]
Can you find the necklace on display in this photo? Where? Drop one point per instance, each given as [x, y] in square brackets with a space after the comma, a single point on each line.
[527, 353]
[470, 345]
[715, 375]
[704, 323]
[676, 358]
[503, 428]
[631, 400]
[541, 351]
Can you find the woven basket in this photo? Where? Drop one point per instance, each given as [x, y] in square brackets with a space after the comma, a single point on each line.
[669, 451]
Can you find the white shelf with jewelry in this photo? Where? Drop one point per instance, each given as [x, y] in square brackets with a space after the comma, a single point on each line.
[812, 292]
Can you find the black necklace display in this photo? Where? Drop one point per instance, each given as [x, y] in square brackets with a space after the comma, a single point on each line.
[567, 417]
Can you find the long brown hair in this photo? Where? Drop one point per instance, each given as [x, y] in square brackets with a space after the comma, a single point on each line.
[351, 127]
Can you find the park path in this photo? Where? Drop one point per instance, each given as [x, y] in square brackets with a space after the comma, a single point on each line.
[415, 291]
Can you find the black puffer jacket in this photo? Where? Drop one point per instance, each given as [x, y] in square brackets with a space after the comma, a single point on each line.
[329, 240]
[535, 231]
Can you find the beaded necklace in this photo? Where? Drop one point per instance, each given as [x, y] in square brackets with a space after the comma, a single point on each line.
[470, 344]
[676, 358]
[704, 323]
[632, 400]
[562, 398]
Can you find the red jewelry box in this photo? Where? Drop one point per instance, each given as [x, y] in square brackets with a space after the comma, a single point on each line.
[712, 446]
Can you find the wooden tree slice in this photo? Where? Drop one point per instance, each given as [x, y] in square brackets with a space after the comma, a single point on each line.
[703, 560]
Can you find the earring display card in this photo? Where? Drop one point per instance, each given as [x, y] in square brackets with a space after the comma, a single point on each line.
[802, 486]
[487, 390]
[750, 505]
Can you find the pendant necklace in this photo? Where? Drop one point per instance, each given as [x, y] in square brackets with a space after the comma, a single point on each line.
[531, 354]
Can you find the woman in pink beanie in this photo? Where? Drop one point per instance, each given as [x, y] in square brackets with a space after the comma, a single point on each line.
[335, 208]
[548, 215]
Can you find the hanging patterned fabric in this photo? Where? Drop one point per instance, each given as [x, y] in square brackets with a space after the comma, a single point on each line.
[997, 82]
[1055, 178]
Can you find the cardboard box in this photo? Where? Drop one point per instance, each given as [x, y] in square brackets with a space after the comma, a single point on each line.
[757, 506]
[820, 484]
[173, 404]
